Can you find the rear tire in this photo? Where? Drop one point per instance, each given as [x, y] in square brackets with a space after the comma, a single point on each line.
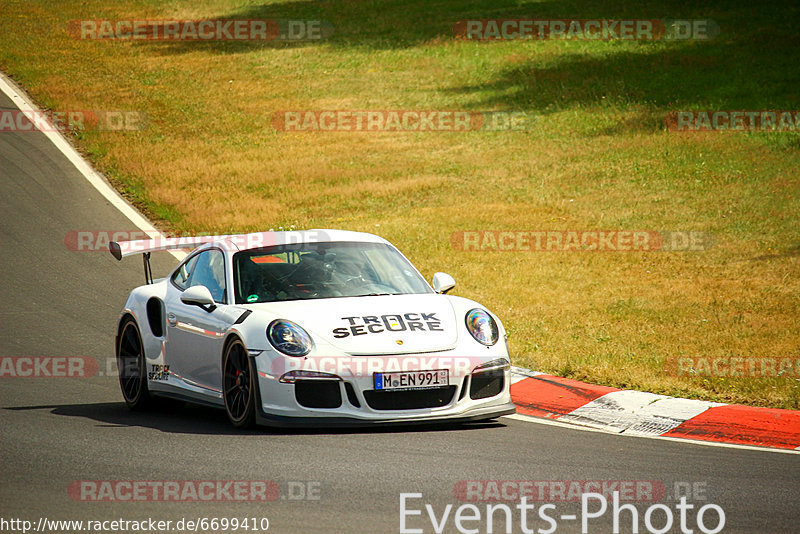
[238, 385]
[132, 368]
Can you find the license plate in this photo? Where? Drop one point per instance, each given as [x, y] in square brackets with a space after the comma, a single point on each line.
[412, 379]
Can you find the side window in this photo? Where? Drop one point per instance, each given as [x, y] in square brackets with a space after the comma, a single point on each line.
[209, 271]
[183, 275]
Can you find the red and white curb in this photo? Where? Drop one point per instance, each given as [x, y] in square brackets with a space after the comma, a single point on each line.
[639, 413]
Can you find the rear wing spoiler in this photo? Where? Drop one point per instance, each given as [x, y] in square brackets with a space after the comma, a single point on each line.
[122, 249]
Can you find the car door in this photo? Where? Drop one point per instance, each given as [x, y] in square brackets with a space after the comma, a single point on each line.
[195, 334]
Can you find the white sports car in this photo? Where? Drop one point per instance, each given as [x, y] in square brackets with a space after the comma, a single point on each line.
[320, 327]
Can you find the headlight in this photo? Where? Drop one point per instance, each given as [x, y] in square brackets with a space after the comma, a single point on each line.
[482, 327]
[289, 338]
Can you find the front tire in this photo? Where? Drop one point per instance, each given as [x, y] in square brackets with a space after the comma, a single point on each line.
[238, 385]
[131, 365]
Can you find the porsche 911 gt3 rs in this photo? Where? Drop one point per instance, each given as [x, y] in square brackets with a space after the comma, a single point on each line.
[308, 328]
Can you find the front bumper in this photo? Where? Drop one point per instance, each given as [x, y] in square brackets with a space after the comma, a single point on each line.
[350, 401]
[481, 414]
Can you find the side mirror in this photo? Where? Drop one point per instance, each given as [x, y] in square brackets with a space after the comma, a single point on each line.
[199, 296]
[443, 282]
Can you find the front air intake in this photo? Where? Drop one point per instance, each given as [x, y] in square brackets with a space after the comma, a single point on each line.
[488, 384]
[318, 393]
[412, 399]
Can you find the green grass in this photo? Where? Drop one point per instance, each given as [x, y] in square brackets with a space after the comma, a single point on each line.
[598, 157]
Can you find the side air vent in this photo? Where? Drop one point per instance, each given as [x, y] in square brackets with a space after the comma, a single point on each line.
[155, 316]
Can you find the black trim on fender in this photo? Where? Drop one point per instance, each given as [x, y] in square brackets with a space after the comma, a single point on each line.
[243, 316]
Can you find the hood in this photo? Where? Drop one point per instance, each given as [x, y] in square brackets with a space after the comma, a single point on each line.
[389, 324]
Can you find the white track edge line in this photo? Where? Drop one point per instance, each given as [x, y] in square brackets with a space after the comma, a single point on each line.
[24, 104]
[686, 441]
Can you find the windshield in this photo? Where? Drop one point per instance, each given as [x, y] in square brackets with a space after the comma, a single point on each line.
[323, 270]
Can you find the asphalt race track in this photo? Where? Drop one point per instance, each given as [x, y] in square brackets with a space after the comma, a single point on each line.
[55, 431]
